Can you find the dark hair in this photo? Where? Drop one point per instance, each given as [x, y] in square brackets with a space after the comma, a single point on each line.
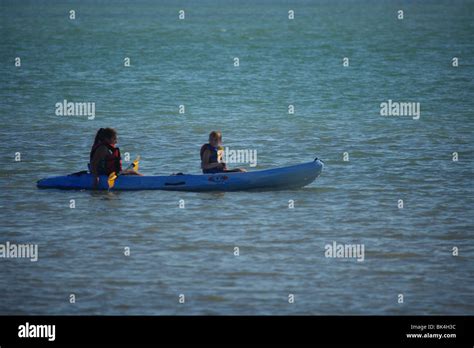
[104, 133]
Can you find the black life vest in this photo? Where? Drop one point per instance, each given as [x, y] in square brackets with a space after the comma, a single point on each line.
[111, 163]
[213, 158]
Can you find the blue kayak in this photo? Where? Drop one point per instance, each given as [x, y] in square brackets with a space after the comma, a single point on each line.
[270, 179]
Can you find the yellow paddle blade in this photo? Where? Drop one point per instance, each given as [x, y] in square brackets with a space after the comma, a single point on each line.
[135, 163]
[111, 180]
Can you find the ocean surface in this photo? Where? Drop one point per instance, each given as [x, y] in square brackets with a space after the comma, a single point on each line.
[282, 62]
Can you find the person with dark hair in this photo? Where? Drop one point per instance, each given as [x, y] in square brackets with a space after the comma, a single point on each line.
[105, 156]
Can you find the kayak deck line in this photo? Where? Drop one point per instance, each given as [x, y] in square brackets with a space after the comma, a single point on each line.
[290, 177]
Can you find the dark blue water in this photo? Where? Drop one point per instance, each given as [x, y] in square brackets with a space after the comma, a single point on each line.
[283, 62]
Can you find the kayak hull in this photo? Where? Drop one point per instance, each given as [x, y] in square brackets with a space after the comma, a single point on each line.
[263, 180]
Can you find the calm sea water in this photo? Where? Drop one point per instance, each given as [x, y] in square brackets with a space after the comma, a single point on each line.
[191, 62]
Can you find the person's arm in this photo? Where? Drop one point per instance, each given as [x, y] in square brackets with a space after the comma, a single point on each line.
[130, 172]
[99, 154]
[205, 161]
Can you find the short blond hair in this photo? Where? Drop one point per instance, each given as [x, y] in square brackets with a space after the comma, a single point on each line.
[215, 134]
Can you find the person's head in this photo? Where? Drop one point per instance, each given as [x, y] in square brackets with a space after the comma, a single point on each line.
[106, 135]
[215, 138]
